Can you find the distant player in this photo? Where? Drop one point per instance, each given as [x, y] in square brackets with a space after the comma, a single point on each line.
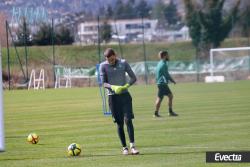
[113, 73]
[162, 79]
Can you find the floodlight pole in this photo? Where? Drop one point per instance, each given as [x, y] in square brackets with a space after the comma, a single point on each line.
[25, 47]
[8, 51]
[98, 39]
[12, 38]
[144, 52]
[211, 62]
[197, 66]
[1, 106]
[248, 56]
[53, 49]
[248, 43]
[119, 41]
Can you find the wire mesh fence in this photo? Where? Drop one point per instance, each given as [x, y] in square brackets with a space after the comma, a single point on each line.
[138, 40]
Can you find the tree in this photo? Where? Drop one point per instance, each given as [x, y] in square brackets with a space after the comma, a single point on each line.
[105, 32]
[143, 9]
[192, 20]
[209, 26]
[119, 10]
[43, 36]
[3, 39]
[245, 21]
[166, 14]
[109, 12]
[101, 11]
[129, 9]
[158, 13]
[171, 14]
[64, 36]
[23, 35]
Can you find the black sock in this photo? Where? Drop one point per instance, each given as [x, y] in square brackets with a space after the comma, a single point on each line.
[130, 129]
[156, 112]
[121, 134]
[170, 110]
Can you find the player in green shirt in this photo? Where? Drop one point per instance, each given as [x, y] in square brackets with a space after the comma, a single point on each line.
[162, 79]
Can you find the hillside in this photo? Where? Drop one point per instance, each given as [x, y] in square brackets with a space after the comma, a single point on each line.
[87, 56]
[58, 8]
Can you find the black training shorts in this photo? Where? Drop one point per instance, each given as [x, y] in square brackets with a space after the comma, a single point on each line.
[163, 90]
[121, 107]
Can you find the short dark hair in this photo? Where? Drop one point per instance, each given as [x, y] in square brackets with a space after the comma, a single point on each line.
[163, 53]
[109, 52]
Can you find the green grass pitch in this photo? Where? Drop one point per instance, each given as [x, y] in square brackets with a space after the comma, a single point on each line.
[213, 117]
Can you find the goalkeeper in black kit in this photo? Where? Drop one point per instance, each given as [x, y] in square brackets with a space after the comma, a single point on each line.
[113, 74]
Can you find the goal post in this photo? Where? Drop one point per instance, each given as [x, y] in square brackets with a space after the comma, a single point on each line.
[1, 106]
[229, 63]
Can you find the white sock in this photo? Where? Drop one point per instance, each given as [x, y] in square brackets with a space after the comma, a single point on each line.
[132, 145]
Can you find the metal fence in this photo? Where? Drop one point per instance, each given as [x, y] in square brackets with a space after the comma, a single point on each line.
[137, 40]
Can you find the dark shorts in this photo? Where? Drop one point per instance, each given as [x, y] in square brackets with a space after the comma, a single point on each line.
[121, 107]
[163, 90]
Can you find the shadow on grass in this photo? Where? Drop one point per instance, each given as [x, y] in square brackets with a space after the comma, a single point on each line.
[107, 155]
[145, 154]
[12, 137]
[172, 153]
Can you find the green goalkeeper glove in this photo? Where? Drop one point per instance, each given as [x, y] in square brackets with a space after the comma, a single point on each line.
[117, 89]
[126, 86]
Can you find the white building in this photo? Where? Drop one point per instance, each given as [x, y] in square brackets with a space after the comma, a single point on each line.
[172, 35]
[123, 29]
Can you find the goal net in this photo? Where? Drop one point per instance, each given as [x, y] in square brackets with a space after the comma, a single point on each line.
[229, 64]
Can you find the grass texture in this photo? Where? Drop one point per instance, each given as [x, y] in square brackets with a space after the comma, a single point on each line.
[212, 117]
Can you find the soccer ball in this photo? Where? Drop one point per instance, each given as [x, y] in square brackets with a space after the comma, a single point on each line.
[33, 138]
[74, 149]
